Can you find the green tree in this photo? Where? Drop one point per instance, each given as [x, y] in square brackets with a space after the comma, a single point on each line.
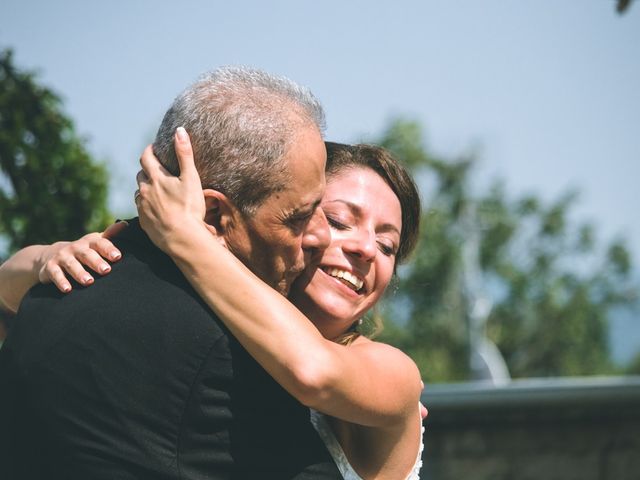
[50, 188]
[551, 286]
[622, 6]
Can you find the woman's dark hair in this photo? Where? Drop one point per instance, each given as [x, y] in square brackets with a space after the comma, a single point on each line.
[380, 160]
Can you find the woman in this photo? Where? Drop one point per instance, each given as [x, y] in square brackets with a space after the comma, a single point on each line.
[367, 391]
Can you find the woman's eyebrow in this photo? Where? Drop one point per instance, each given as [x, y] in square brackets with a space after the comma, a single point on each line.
[389, 227]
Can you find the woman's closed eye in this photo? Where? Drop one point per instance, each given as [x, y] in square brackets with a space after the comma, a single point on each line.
[387, 250]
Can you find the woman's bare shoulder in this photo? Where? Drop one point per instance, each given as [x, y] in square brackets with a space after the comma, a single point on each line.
[388, 359]
[366, 344]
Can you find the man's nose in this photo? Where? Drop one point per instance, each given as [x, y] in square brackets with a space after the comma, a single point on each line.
[317, 235]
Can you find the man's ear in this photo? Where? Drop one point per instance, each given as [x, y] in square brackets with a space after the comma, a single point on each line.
[220, 213]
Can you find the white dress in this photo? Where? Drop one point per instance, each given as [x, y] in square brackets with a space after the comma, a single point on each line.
[323, 428]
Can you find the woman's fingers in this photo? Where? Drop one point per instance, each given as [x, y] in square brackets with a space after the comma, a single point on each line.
[107, 250]
[149, 162]
[141, 177]
[65, 265]
[423, 411]
[113, 231]
[93, 257]
[151, 166]
[167, 203]
[55, 275]
[184, 152]
[77, 259]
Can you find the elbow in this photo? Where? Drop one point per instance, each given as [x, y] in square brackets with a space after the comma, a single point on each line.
[311, 384]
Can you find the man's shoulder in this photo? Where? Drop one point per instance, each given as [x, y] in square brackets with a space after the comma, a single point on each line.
[145, 296]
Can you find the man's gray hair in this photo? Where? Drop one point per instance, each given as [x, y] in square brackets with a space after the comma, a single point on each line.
[242, 122]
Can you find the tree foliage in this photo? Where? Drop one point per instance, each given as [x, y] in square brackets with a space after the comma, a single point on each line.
[50, 188]
[551, 285]
[622, 6]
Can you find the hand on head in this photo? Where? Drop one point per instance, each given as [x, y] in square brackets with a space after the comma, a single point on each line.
[169, 204]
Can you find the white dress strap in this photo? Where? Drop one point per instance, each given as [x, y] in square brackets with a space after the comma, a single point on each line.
[323, 428]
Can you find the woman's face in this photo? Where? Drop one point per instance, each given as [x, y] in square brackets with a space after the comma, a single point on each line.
[365, 218]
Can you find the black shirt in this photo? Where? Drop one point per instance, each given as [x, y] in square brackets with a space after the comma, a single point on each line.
[135, 378]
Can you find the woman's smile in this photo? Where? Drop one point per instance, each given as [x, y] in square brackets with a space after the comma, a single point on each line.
[345, 277]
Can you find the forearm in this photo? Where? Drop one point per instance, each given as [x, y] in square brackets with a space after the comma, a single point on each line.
[371, 385]
[272, 330]
[18, 274]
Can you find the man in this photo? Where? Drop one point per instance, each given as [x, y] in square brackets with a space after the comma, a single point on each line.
[135, 378]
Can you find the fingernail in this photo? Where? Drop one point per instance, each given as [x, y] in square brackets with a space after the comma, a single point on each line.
[87, 279]
[66, 288]
[114, 255]
[104, 268]
[182, 134]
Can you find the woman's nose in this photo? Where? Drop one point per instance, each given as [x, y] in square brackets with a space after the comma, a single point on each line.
[362, 243]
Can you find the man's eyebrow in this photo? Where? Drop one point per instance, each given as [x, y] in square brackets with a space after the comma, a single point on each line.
[304, 209]
[356, 209]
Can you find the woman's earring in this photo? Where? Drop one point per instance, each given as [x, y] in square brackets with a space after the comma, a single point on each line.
[359, 322]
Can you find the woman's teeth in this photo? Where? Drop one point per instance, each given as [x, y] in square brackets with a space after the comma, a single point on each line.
[348, 278]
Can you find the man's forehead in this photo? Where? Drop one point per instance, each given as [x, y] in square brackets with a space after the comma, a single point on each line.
[304, 174]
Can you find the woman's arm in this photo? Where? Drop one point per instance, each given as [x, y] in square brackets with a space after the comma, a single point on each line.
[51, 263]
[366, 383]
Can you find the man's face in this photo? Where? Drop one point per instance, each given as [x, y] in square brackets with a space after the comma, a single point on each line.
[288, 231]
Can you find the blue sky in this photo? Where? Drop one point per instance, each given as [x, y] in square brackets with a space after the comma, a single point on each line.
[547, 92]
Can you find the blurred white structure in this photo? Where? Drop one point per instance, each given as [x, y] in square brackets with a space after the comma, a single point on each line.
[485, 360]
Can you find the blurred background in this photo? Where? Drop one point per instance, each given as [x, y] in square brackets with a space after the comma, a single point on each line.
[520, 120]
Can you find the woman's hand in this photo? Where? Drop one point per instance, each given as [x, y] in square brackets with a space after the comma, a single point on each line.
[170, 207]
[62, 259]
[423, 410]
[53, 263]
